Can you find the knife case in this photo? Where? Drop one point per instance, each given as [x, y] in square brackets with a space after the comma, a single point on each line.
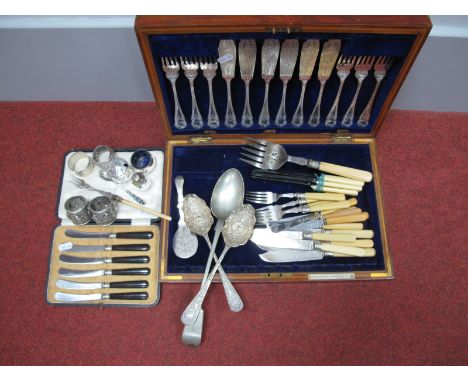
[202, 155]
[127, 220]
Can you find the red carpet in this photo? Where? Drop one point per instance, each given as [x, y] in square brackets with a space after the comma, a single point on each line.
[420, 318]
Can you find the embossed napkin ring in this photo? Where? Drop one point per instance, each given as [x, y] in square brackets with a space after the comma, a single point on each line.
[102, 155]
[103, 210]
[80, 157]
[77, 210]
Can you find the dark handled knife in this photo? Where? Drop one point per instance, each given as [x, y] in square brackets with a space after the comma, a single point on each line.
[71, 297]
[97, 248]
[105, 260]
[108, 235]
[65, 284]
[104, 272]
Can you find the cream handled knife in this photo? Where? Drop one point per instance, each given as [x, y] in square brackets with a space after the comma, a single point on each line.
[65, 284]
[72, 297]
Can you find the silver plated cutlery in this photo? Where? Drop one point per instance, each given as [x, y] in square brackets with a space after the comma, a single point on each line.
[209, 66]
[227, 56]
[171, 68]
[190, 67]
[270, 54]
[268, 197]
[247, 58]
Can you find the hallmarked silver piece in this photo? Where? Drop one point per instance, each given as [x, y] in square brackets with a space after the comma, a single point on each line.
[103, 210]
[81, 164]
[227, 48]
[77, 210]
[247, 58]
[270, 54]
[102, 155]
[171, 68]
[209, 66]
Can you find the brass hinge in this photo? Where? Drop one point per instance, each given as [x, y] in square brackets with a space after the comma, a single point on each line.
[341, 136]
[200, 140]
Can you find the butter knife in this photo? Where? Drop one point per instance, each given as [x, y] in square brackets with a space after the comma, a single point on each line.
[103, 272]
[108, 235]
[65, 284]
[71, 297]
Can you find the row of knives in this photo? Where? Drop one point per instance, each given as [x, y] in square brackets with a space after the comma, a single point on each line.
[68, 270]
[288, 53]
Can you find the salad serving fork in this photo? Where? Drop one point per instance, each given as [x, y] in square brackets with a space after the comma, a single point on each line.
[343, 68]
[171, 67]
[190, 67]
[362, 67]
[381, 67]
[209, 66]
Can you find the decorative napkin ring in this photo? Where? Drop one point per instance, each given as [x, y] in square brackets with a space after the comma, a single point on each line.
[103, 210]
[81, 164]
[77, 210]
[102, 155]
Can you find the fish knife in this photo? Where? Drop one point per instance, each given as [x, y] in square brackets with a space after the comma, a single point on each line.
[304, 235]
[103, 272]
[72, 297]
[105, 260]
[69, 247]
[65, 284]
[289, 256]
[108, 235]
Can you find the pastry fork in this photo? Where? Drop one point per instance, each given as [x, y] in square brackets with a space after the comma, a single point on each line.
[343, 67]
[171, 68]
[270, 156]
[363, 65]
[381, 67]
[190, 67]
[209, 65]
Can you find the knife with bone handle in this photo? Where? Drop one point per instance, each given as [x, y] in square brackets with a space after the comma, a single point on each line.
[313, 222]
[72, 297]
[290, 256]
[108, 235]
[303, 235]
[65, 284]
[357, 233]
[103, 272]
[341, 212]
[70, 247]
[105, 260]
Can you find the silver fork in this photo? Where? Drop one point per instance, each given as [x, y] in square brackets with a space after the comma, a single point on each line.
[343, 67]
[171, 68]
[209, 67]
[277, 212]
[381, 67]
[268, 197]
[363, 65]
[190, 67]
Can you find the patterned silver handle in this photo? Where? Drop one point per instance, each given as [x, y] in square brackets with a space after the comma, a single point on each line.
[349, 115]
[332, 116]
[190, 314]
[298, 117]
[230, 118]
[281, 118]
[179, 183]
[264, 119]
[197, 121]
[314, 119]
[213, 119]
[179, 118]
[247, 118]
[363, 120]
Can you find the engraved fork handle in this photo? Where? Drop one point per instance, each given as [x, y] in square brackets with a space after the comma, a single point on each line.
[349, 115]
[197, 121]
[298, 117]
[230, 118]
[179, 118]
[363, 120]
[190, 313]
[332, 116]
[247, 118]
[264, 119]
[281, 118]
[213, 119]
[314, 119]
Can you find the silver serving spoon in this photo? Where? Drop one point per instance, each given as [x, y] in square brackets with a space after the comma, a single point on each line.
[236, 232]
[184, 242]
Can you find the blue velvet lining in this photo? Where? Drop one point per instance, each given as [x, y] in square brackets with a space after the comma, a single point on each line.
[196, 45]
[201, 166]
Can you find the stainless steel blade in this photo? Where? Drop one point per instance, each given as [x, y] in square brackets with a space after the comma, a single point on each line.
[81, 273]
[71, 297]
[291, 256]
[86, 248]
[288, 223]
[65, 284]
[272, 242]
[85, 235]
[82, 260]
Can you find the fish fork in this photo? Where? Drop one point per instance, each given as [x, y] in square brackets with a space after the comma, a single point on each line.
[343, 67]
[247, 57]
[190, 67]
[227, 52]
[270, 53]
[171, 68]
[270, 156]
[209, 65]
[288, 58]
[267, 197]
[363, 65]
[381, 67]
[293, 203]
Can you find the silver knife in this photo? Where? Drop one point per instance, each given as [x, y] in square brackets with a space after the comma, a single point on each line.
[305, 235]
[103, 272]
[65, 284]
[108, 235]
[69, 247]
[292, 256]
[105, 260]
[71, 297]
